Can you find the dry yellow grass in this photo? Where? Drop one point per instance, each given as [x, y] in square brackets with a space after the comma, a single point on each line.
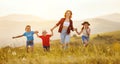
[99, 51]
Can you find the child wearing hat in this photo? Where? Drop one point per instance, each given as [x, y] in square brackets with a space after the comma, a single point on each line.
[85, 30]
[45, 39]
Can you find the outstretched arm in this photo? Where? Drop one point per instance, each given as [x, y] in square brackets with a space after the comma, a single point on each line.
[57, 24]
[54, 27]
[35, 32]
[78, 32]
[17, 36]
[51, 32]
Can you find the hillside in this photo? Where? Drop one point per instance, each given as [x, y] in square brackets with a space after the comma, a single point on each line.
[105, 23]
[14, 24]
[109, 37]
[21, 18]
[115, 17]
[95, 53]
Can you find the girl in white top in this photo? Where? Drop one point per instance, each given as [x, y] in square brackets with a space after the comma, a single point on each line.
[85, 33]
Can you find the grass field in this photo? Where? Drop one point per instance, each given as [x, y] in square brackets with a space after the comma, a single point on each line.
[103, 49]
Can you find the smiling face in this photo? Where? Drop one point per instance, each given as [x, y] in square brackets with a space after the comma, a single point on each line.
[44, 32]
[86, 25]
[68, 14]
[28, 28]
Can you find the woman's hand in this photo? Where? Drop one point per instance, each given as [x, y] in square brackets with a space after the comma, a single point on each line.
[13, 37]
[52, 29]
[51, 32]
[75, 29]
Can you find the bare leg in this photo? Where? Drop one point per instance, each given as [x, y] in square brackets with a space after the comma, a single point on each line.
[63, 45]
[66, 45]
[44, 49]
[85, 43]
[32, 47]
[27, 49]
[48, 49]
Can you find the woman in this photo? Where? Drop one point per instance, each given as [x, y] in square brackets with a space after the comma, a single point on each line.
[65, 26]
[85, 30]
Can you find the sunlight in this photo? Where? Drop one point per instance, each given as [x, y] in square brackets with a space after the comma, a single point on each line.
[54, 9]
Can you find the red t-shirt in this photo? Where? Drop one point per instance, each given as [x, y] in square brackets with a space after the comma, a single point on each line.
[45, 40]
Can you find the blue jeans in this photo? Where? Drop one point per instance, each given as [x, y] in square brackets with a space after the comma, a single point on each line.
[85, 38]
[65, 38]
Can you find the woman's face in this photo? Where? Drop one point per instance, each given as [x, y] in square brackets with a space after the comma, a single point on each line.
[28, 29]
[68, 14]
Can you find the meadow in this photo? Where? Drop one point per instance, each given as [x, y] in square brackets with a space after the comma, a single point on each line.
[103, 48]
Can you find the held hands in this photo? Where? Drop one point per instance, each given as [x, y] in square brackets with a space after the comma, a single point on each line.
[51, 30]
[13, 37]
[75, 29]
[36, 32]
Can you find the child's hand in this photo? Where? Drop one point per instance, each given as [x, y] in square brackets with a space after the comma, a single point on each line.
[51, 30]
[36, 32]
[75, 29]
[13, 37]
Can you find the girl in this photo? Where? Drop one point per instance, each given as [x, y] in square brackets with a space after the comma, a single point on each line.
[29, 35]
[85, 33]
[65, 26]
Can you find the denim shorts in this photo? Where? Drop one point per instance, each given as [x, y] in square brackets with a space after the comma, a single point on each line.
[65, 38]
[84, 38]
[30, 43]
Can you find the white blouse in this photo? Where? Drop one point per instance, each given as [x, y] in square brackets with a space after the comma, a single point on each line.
[66, 24]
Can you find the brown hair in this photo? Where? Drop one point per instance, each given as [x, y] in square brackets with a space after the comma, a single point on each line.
[27, 26]
[70, 13]
[86, 22]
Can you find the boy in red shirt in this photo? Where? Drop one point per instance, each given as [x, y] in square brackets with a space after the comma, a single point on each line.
[46, 39]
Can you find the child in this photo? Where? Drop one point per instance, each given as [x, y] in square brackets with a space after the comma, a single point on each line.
[45, 40]
[85, 33]
[29, 35]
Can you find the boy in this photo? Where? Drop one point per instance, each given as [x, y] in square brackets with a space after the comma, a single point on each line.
[29, 35]
[45, 39]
